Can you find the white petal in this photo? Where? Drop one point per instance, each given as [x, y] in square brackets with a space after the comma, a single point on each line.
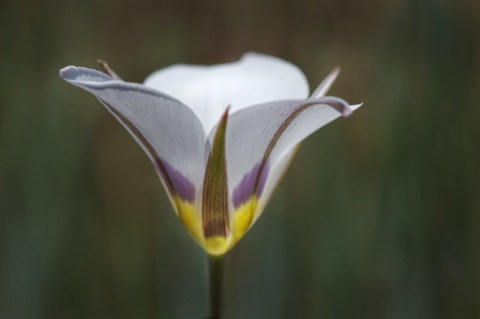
[208, 90]
[353, 107]
[167, 130]
[260, 136]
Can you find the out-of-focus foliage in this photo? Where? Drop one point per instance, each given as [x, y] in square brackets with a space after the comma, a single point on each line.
[378, 217]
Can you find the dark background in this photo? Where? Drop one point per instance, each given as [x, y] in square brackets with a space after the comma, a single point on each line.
[378, 217]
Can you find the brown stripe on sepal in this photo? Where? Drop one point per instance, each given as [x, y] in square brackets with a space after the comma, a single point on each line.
[215, 185]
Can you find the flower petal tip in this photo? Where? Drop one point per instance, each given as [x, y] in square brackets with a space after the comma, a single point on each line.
[347, 111]
[336, 70]
[75, 75]
[356, 106]
[68, 72]
[225, 114]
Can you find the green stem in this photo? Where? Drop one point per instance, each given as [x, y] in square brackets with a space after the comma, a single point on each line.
[215, 265]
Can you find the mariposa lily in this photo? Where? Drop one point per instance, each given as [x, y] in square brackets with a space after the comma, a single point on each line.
[220, 137]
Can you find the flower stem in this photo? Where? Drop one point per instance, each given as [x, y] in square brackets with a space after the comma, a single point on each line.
[215, 265]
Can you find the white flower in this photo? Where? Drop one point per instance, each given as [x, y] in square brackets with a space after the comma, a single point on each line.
[219, 136]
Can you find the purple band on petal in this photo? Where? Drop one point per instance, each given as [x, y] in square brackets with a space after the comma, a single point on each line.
[182, 187]
[245, 189]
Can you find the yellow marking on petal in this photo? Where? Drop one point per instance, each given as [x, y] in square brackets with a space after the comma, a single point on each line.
[243, 218]
[190, 218]
[240, 222]
[217, 245]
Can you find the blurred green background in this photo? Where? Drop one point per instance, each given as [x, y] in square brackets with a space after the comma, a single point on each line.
[378, 217]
